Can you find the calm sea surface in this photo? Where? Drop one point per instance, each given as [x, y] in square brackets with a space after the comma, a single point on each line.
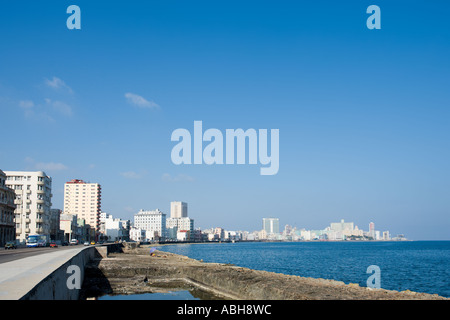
[421, 266]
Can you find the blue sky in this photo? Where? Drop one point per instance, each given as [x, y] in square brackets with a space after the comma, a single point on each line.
[363, 114]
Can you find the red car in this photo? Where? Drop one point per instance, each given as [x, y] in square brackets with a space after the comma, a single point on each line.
[53, 244]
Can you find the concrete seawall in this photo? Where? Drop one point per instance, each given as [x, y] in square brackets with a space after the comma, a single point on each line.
[45, 276]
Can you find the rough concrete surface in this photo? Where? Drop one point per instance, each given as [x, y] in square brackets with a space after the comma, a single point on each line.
[136, 271]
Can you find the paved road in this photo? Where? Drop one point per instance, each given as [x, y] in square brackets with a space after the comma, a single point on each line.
[19, 253]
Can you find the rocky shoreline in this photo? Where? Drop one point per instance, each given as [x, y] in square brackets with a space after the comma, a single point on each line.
[135, 271]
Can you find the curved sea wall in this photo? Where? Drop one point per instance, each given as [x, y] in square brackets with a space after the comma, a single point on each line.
[136, 271]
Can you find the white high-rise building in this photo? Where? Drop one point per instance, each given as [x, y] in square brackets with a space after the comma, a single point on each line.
[372, 230]
[84, 200]
[342, 226]
[271, 225]
[153, 222]
[33, 190]
[178, 209]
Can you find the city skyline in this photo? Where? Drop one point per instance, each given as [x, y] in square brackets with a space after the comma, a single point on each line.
[362, 114]
[82, 201]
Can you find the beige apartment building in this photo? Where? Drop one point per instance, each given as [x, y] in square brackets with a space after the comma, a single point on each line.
[33, 192]
[7, 207]
[178, 209]
[179, 221]
[83, 199]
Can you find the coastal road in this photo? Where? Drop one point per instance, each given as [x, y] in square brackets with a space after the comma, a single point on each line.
[19, 253]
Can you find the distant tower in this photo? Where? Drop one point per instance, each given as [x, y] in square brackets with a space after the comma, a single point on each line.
[372, 229]
[178, 209]
[83, 199]
[271, 225]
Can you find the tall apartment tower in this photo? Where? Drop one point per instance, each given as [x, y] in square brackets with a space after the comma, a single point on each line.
[271, 225]
[33, 190]
[372, 229]
[178, 209]
[7, 207]
[83, 199]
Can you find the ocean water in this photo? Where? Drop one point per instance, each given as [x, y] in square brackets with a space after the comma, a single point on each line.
[421, 266]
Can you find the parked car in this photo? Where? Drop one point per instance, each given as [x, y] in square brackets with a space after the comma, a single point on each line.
[86, 243]
[10, 245]
[65, 243]
[53, 244]
[73, 242]
[92, 242]
[42, 243]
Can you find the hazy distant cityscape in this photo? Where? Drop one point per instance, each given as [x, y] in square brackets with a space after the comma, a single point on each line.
[26, 209]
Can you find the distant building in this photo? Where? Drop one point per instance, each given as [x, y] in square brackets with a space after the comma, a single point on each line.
[183, 235]
[199, 235]
[33, 191]
[179, 221]
[399, 237]
[377, 235]
[84, 200]
[137, 234]
[101, 227]
[55, 232]
[372, 230]
[343, 230]
[173, 225]
[213, 234]
[115, 229]
[213, 237]
[7, 208]
[153, 222]
[178, 209]
[220, 232]
[83, 231]
[342, 226]
[233, 235]
[305, 235]
[288, 230]
[271, 225]
[68, 224]
[126, 226]
[261, 235]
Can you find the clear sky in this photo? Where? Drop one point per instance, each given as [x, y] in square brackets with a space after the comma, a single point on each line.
[363, 114]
